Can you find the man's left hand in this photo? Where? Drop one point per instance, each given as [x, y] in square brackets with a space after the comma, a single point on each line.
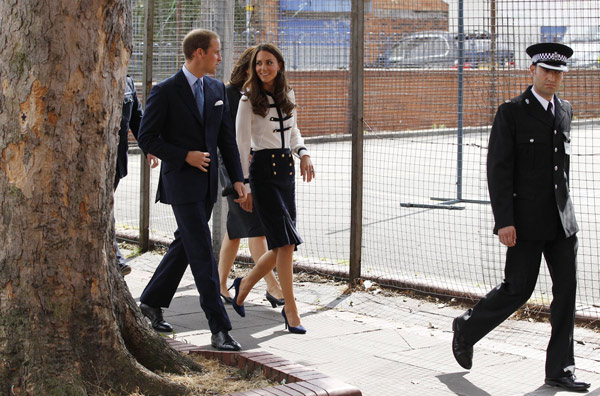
[152, 160]
[241, 191]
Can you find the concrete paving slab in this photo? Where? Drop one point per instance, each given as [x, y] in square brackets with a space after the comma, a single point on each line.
[384, 345]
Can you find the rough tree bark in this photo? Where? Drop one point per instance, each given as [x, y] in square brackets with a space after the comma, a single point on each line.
[68, 324]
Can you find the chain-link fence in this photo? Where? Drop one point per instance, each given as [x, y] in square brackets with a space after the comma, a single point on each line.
[435, 73]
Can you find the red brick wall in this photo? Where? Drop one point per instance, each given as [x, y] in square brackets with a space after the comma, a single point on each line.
[397, 100]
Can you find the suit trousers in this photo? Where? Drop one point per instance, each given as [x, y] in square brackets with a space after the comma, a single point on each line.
[120, 258]
[521, 272]
[192, 244]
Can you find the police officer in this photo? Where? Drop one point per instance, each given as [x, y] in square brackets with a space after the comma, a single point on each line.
[528, 181]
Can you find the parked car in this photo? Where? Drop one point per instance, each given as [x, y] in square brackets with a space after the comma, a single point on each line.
[439, 49]
[586, 48]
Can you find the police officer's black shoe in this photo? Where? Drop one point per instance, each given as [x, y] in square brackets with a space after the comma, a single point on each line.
[463, 353]
[569, 383]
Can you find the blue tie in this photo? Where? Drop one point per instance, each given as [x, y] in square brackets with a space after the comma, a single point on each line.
[200, 97]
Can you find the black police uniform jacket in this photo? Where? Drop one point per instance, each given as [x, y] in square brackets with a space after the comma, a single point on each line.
[528, 169]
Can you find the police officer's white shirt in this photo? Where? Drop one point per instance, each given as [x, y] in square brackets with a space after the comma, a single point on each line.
[260, 133]
[543, 101]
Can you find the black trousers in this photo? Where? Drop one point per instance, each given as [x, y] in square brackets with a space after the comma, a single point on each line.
[521, 272]
[192, 244]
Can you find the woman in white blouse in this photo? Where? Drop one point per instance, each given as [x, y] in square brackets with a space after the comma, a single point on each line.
[266, 130]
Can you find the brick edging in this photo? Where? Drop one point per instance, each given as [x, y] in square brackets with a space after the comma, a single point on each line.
[297, 380]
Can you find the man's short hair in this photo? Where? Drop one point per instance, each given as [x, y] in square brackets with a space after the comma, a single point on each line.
[197, 38]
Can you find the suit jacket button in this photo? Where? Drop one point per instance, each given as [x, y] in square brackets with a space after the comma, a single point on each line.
[291, 173]
[274, 173]
[272, 155]
[273, 163]
[282, 155]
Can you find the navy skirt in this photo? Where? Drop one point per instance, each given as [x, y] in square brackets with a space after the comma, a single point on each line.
[273, 191]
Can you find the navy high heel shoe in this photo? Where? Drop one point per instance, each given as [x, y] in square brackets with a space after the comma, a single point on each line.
[274, 301]
[297, 329]
[238, 308]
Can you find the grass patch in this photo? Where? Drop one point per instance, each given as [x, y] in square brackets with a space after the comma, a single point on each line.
[216, 379]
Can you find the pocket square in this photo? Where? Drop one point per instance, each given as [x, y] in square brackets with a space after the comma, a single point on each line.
[219, 103]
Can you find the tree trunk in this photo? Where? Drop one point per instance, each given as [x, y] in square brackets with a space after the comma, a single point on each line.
[68, 324]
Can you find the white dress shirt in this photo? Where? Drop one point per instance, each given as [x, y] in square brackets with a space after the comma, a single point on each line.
[543, 101]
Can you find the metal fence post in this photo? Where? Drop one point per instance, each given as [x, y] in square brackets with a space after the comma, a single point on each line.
[357, 28]
[224, 27]
[146, 87]
[459, 127]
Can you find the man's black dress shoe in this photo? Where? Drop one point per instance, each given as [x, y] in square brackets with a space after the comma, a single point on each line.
[569, 383]
[224, 342]
[463, 353]
[124, 269]
[156, 318]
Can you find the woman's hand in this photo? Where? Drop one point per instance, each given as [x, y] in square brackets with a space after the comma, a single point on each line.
[306, 168]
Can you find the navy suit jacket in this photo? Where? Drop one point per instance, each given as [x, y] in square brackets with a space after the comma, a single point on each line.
[130, 119]
[172, 126]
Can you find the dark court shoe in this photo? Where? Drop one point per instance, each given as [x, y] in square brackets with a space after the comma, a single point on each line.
[224, 342]
[569, 383]
[226, 299]
[463, 353]
[293, 329]
[274, 301]
[238, 308]
[156, 318]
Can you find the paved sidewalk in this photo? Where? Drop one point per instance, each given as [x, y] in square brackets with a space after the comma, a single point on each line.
[384, 345]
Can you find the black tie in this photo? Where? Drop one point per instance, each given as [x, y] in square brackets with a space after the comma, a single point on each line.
[549, 110]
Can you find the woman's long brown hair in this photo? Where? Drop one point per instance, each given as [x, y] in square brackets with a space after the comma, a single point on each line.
[253, 87]
[239, 74]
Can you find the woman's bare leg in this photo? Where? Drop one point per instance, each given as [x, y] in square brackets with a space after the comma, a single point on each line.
[227, 255]
[258, 247]
[285, 272]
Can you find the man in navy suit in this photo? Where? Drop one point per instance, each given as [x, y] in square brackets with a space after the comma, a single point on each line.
[130, 120]
[186, 119]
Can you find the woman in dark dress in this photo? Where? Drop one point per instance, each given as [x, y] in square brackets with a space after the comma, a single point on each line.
[266, 126]
[241, 223]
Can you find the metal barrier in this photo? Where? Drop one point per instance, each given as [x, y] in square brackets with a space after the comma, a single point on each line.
[432, 83]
